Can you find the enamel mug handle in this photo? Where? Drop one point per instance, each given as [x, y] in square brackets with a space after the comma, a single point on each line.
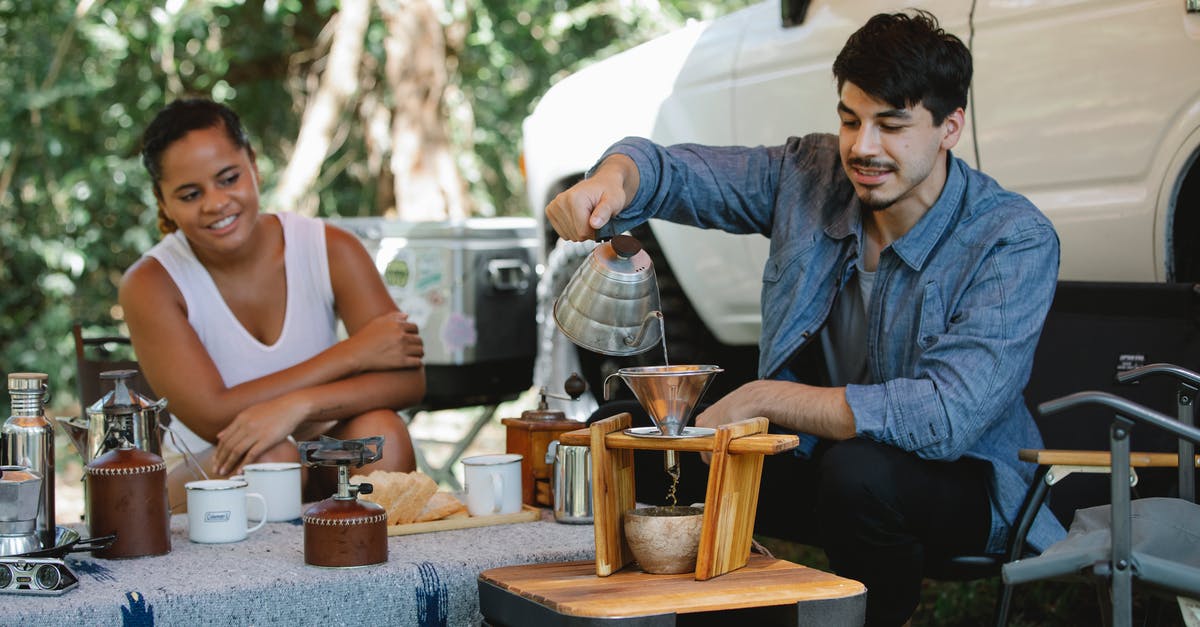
[255, 495]
[497, 491]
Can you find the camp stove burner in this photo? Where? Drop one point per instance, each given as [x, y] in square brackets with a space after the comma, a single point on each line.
[341, 531]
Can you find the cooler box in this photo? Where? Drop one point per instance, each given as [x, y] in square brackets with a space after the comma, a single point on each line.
[471, 287]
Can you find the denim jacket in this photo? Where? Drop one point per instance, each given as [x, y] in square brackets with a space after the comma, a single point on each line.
[956, 309]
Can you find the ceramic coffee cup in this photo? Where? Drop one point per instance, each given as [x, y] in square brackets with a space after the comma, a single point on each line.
[217, 510]
[493, 484]
[279, 485]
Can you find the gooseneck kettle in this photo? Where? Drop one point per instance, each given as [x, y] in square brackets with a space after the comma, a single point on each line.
[611, 304]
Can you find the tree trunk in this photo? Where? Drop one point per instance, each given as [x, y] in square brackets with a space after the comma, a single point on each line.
[339, 82]
[426, 179]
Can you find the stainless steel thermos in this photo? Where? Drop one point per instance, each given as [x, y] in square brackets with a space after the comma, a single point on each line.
[28, 441]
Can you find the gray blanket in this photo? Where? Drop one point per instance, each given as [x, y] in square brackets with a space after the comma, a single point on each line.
[429, 579]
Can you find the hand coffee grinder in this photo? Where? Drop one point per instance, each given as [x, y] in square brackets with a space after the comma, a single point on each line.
[342, 531]
[530, 437]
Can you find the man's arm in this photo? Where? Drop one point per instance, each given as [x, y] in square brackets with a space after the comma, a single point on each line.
[732, 188]
[820, 411]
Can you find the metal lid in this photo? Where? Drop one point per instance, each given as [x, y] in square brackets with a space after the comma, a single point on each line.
[17, 474]
[622, 259]
[121, 399]
[27, 381]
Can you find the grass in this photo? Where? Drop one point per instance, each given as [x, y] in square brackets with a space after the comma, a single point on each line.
[972, 603]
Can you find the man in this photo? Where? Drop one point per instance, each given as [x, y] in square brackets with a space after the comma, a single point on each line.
[922, 280]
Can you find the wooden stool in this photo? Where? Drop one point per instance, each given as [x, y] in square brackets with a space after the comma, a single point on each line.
[765, 591]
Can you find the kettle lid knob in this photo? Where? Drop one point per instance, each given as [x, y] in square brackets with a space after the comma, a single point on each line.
[626, 246]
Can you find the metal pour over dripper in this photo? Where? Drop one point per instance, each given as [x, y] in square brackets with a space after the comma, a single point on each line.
[667, 393]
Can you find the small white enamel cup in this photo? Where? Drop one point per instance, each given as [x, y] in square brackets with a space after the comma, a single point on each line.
[217, 510]
[493, 484]
[279, 485]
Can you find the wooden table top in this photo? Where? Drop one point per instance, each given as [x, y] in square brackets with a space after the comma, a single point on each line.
[573, 589]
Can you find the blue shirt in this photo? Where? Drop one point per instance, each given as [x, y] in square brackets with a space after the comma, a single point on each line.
[956, 310]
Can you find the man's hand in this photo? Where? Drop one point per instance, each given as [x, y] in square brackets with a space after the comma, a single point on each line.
[589, 204]
[737, 405]
[255, 430]
[732, 407]
[388, 342]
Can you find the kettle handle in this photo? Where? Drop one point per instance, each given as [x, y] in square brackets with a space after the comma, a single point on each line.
[606, 395]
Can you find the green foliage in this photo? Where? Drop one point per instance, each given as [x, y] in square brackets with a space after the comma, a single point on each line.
[518, 48]
[76, 207]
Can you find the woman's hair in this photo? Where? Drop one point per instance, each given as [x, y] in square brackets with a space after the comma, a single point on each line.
[906, 60]
[170, 125]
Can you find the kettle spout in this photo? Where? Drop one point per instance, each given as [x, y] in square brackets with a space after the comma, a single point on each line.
[652, 319]
[77, 431]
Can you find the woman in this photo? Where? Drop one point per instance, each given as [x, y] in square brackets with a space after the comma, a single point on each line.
[233, 314]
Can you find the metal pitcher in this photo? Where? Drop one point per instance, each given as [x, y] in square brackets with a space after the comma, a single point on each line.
[611, 305]
[120, 416]
[572, 482]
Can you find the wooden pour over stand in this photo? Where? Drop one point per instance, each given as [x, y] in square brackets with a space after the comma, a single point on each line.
[728, 584]
[734, 475]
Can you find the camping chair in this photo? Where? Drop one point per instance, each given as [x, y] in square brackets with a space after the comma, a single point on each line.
[1152, 540]
[94, 355]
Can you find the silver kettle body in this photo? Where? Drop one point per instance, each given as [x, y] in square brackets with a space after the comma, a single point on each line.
[572, 482]
[611, 304]
[121, 416]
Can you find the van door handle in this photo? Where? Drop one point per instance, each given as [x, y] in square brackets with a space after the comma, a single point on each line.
[508, 275]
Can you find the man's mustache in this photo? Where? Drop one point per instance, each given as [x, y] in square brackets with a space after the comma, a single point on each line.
[871, 164]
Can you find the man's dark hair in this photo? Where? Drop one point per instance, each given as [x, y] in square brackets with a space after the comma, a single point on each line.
[180, 118]
[906, 60]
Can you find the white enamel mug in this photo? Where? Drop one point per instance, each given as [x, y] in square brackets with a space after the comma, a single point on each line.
[493, 484]
[217, 510]
[279, 485]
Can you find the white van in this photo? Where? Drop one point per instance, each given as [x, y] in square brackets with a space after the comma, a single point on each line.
[1091, 108]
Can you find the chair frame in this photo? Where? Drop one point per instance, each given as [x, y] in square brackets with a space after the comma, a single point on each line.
[1121, 463]
[87, 370]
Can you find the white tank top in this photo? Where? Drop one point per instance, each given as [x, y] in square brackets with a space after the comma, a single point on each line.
[309, 323]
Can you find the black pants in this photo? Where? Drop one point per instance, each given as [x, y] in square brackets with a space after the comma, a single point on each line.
[879, 513]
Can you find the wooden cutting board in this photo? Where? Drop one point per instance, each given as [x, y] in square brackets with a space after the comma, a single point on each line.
[527, 514]
[573, 589]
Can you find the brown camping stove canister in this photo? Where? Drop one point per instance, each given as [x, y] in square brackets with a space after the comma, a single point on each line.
[342, 531]
[127, 496]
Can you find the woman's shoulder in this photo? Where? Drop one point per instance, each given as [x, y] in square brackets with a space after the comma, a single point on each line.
[339, 242]
[145, 281]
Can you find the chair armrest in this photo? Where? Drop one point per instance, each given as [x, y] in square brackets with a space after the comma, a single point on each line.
[1183, 375]
[1127, 409]
[1137, 459]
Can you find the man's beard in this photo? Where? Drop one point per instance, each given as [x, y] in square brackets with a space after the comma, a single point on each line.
[874, 204]
[866, 198]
